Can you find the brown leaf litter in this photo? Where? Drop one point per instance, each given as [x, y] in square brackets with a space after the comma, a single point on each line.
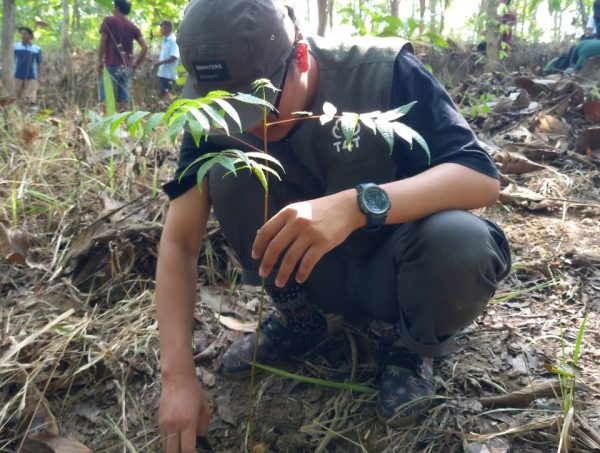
[79, 346]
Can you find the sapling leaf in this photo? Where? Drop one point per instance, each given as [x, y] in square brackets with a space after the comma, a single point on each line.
[324, 119]
[203, 170]
[239, 155]
[200, 119]
[329, 109]
[134, 121]
[216, 117]
[260, 174]
[260, 84]
[217, 94]
[152, 122]
[303, 113]
[404, 132]
[268, 169]
[579, 341]
[348, 124]
[176, 125]
[368, 121]
[422, 143]
[227, 162]
[398, 112]
[177, 105]
[264, 156]
[387, 132]
[249, 99]
[194, 128]
[109, 92]
[118, 120]
[230, 111]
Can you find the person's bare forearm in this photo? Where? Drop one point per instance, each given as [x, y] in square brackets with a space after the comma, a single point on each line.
[175, 298]
[176, 279]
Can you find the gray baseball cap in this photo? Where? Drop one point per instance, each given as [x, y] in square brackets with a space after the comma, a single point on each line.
[228, 44]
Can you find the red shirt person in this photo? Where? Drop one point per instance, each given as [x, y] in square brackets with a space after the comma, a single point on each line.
[116, 51]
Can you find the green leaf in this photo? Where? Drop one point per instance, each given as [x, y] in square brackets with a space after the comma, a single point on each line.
[117, 121]
[324, 119]
[133, 122]
[398, 112]
[176, 125]
[387, 132]
[231, 112]
[348, 124]
[261, 84]
[329, 109]
[310, 380]
[152, 122]
[367, 121]
[404, 132]
[109, 92]
[202, 125]
[216, 117]
[579, 341]
[422, 143]
[250, 99]
[263, 156]
[195, 129]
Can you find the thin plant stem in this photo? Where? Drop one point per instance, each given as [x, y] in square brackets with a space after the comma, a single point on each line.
[261, 304]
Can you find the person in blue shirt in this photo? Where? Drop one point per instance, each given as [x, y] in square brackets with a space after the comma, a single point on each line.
[28, 66]
[167, 61]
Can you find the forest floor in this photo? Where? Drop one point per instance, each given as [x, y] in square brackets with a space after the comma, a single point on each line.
[79, 225]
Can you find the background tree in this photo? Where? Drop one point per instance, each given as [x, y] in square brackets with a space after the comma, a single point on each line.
[8, 36]
[492, 32]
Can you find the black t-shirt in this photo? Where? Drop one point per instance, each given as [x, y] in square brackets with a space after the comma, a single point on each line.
[434, 116]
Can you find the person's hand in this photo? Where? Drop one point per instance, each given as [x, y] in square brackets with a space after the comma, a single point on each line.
[184, 414]
[156, 64]
[305, 231]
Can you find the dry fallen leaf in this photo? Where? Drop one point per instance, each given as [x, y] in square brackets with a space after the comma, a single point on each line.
[550, 124]
[14, 245]
[513, 163]
[236, 324]
[47, 443]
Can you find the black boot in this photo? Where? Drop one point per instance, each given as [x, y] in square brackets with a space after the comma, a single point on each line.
[406, 389]
[293, 329]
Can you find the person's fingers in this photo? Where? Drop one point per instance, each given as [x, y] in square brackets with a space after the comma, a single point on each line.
[308, 263]
[172, 442]
[280, 242]
[204, 419]
[188, 441]
[266, 233]
[293, 255]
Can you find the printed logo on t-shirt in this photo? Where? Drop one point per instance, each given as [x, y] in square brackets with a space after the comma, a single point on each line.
[340, 142]
[211, 71]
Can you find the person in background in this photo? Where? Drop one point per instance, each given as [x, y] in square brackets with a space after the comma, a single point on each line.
[508, 20]
[117, 34]
[593, 24]
[167, 61]
[365, 234]
[28, 66]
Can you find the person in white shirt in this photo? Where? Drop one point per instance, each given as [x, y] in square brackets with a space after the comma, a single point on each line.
[591, 26]
[167, 61]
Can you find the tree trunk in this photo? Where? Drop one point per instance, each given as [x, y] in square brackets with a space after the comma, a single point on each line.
[322, 8]
[422, 16]
[394, 7]
[66, 47]
[433, 16]
[492, 33]
[8, 52]
[330, 13]
[443, 16]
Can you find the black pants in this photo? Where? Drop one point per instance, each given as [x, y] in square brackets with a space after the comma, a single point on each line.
[431, 277]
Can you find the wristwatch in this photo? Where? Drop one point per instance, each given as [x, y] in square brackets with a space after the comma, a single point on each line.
[374, 202]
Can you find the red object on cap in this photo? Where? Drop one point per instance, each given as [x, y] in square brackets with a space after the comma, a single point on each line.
[302, 56]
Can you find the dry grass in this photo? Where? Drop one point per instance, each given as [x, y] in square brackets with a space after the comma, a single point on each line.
[78, 342]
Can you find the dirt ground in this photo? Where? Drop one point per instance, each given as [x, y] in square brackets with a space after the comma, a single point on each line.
[78, 344]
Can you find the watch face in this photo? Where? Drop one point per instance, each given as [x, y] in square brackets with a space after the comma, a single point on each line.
[376, 200]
